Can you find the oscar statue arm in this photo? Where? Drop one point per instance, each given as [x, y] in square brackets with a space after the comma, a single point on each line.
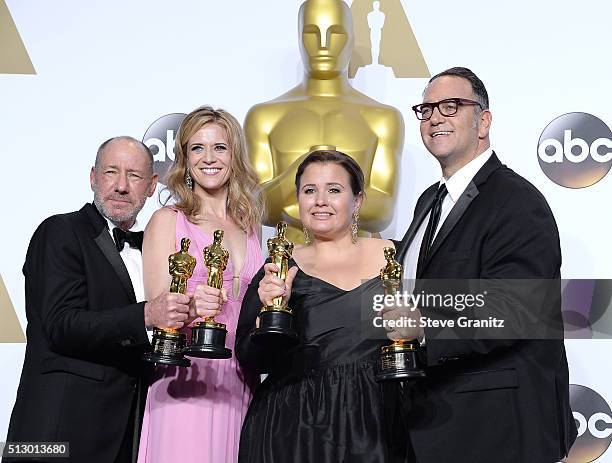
[256, 130]
[388, 124]
[275, 186]
[225, 259]
[206, 253]
[281, 191]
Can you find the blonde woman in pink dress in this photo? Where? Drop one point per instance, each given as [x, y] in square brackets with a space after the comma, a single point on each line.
[195, 414]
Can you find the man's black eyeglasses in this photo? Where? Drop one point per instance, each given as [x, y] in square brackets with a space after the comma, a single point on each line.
[448, 107]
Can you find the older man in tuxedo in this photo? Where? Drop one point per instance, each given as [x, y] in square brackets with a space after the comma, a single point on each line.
[87, 317]
[486, 398]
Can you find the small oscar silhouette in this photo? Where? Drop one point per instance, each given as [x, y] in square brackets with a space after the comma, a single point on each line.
[275, 322]
[168, 343]
[399, 360]
[376, 22]
[208, 337]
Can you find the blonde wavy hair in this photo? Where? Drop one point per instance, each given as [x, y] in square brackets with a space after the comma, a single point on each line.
[244, 202]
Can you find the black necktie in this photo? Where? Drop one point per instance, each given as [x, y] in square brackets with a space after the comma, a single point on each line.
[432, 225]
[134, 239]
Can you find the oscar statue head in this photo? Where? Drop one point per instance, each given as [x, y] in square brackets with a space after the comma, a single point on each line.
[281, 227]
[218, 236]
[326, 37]
[185, 242]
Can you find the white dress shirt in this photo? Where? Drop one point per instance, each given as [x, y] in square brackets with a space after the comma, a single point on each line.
[132, 258]
[455, 185]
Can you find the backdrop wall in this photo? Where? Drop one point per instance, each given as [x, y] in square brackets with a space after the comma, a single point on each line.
[115, 67]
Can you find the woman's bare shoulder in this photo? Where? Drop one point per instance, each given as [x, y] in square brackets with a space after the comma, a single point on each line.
[162, 220]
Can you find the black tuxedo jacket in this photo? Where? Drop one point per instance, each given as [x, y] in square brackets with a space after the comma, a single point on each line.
[493, 400]
[85, 338]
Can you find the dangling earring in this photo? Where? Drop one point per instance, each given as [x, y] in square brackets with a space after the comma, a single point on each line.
[188, 180]
[355, 226]
[307, 237]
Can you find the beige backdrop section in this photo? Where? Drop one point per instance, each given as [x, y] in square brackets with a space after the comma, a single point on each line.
[10, 329]
[399, 48]
[14, 58]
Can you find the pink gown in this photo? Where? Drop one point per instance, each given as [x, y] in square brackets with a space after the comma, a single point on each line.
[195, 414]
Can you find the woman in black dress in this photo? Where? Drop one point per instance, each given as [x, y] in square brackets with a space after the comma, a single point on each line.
[320, 401]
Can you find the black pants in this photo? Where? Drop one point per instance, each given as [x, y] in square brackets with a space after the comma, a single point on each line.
[127, 452]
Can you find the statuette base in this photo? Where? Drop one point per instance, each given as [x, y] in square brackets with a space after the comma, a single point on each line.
[208, 341]
[275, 327]
[399, 361]
[168, 348]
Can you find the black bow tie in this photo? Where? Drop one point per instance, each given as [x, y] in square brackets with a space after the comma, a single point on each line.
[134, 239]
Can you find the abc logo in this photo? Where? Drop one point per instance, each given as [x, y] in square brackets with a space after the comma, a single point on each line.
[575, 150]
[160, 137]
[594, 422]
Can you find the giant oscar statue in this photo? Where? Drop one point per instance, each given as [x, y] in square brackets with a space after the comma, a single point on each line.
[324, 111]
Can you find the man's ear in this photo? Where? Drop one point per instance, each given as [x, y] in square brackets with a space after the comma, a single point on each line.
[484, 123]
[92, 178]
[153, 184]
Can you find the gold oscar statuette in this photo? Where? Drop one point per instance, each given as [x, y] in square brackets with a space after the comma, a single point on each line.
[325, 112]
[208, 336]
[168, 343]
[399, 360]
[275, 322]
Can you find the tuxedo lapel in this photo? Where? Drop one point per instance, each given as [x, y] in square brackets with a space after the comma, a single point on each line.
[453, 217]
[464, 201]
[419, 215]
[103, 240]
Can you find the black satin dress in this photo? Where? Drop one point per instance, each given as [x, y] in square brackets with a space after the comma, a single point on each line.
[320, 402]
